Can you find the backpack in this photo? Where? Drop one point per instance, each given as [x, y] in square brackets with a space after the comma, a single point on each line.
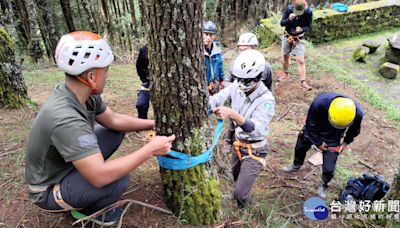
[366, 187]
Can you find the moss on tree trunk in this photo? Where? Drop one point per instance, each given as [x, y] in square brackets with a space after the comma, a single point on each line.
[394, 193]
[179, 98]
[13, 92]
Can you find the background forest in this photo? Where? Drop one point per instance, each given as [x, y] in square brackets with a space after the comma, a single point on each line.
[36, 25]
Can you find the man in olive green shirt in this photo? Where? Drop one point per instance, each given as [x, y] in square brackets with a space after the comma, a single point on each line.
[66, 159]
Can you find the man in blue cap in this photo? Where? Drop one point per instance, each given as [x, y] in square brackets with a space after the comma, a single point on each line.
[213, 58]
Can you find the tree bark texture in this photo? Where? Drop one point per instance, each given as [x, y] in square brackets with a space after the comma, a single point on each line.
[13, 92]
[179, 98]
[22, 23]
[106, 19]
[394, 193]
[66, 8]
[133, 17]
[50, 36]
[142, 13]
[36, 51]
[90, 16]
[7, 16]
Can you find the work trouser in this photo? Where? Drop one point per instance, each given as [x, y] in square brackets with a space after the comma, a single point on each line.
[245, 172]
[303, 144]
[79, 193]
[143, 101]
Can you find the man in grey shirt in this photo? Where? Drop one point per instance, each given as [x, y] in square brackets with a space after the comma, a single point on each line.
[66, 158]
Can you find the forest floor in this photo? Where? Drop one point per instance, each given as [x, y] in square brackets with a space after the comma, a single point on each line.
[277, 197]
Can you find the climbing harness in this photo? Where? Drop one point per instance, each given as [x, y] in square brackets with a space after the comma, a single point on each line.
[237, 144]
[180, 161]
[293, 39]
[59, 200]
[336, 149]
[56, 194]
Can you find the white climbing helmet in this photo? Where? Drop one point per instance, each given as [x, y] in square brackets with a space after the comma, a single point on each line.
[248, 39]
[249, 64]
[80, 51]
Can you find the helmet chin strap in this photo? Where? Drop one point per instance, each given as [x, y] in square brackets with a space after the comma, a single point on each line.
[92, 85]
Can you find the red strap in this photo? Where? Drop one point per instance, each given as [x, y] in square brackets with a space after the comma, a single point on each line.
[92, 85]
[336, 149]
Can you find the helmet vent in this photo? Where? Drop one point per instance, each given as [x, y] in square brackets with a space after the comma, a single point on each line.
[80, 51]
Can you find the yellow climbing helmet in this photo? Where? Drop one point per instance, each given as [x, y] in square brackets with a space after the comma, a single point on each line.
[342, 112]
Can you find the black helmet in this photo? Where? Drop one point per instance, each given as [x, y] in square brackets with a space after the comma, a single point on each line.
[209, 27]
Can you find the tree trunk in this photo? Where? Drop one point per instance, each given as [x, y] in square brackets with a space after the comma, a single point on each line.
[90, 16]
[13, 92]
[214, 14]
[133, 17]
[237, 5]
[224, 15]
[7, 16]
[24, 27]
[80, 17]
[106, 19]
[36, 51]
[142, 12]
[47, 24]
[394, 193]
[179, 98]
[66, 9]
[119, 25]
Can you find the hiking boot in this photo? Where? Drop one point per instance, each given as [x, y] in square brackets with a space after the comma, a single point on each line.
[284, 77]
[291, 168]
[107, 219]
[304, 86]
[322, 189]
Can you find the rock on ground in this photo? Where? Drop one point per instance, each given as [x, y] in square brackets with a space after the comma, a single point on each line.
[389, 70]
[360, 54]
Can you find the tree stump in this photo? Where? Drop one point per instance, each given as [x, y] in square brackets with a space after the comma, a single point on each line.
[389, 70]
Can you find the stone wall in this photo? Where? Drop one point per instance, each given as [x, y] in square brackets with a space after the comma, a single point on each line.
[331, 25]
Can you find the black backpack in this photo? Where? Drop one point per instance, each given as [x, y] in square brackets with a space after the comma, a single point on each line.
[366, 187]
